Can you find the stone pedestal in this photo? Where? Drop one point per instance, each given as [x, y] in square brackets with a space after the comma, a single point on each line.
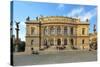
[28, 50]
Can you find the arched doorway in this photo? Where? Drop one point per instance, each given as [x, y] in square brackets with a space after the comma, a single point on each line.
[59, 42]
[45, 43]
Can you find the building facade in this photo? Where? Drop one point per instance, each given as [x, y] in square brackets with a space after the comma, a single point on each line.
[57, 31]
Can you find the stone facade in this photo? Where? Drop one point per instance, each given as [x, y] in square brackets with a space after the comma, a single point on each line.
[57, 31]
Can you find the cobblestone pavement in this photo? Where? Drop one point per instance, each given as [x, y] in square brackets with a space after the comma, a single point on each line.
[59, 57]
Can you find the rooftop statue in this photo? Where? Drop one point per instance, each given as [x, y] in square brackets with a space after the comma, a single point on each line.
[28, 18]
[87, 20]
[94, 28]
[37, 18]
[17, 24]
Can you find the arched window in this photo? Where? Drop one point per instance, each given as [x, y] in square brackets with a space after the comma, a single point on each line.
[65, 41]
[65, 30]
[52, 30]
[45, 30]
[83, 31]
[58, 30]
[32, 30]
[59, 42]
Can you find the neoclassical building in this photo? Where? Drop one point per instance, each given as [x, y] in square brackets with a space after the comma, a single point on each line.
[57, 31]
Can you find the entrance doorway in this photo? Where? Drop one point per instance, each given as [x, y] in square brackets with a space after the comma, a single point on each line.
[59, 42]
[45, 44]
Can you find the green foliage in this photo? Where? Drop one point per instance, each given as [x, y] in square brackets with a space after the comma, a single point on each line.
[21, 47]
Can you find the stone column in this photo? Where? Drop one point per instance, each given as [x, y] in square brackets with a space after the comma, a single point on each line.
[28, 46]
[68, 30]
[62, 30]
[47, 30]
[55, 30]
[62, 41]
[73, 31]
[68, 42]
[76, 37]
[48, 41]
[55, 42]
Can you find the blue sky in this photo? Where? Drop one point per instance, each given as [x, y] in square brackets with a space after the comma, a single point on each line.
[22, 9]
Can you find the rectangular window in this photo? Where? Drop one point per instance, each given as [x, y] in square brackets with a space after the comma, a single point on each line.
[82, 41]
[32, 30]
[65, 30]
[83, 31]
[45, 31]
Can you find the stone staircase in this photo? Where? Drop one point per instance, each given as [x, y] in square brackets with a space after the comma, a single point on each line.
[53, 48]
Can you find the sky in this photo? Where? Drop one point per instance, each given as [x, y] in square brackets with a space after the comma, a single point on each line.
[23, 9]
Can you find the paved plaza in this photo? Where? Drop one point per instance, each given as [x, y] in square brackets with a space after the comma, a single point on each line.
[59, 57]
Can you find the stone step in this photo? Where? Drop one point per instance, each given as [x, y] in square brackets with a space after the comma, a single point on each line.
[53, 48]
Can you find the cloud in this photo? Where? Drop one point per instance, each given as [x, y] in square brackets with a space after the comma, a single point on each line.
[82, 14]
[60, 6]
[75, 12]
[89, 15]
